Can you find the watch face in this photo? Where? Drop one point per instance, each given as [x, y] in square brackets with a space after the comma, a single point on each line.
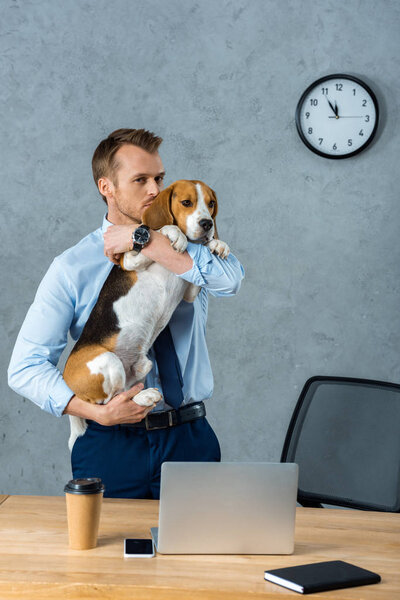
[142, 235]
[337, 116]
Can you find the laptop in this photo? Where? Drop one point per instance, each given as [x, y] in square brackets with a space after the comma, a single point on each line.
[226, 508]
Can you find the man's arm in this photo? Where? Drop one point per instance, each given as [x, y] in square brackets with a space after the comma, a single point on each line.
[160, 250]
[33, 373]
[198, 265]
[118, 239]
[219, 276]
[120, 409]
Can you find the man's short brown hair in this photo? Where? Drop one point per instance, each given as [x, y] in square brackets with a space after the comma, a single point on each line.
[104, 163]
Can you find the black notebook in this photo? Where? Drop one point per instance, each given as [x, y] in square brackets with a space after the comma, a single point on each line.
[320, 577]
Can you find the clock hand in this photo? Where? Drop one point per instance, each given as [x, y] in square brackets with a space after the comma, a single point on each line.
[346, 117]
[330, 104]
[336, 110]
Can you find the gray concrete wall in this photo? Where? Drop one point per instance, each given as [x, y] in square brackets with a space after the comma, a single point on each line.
[219, 80]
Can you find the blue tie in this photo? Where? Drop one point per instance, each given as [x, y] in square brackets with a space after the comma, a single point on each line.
[169, 368]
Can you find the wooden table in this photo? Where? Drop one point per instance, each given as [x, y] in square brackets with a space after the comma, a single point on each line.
[35, 561]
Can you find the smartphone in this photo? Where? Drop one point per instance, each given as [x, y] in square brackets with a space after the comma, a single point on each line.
[138, 548]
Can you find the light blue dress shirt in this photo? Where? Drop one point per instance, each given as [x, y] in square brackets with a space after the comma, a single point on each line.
[65, 299]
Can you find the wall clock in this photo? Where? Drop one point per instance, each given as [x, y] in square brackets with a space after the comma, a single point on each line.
[337, 116]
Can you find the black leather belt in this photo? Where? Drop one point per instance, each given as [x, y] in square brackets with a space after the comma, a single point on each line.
[170, 418]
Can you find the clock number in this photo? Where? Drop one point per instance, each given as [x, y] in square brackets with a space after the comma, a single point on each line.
[325, 91]
[320, 140]
[364, 103]
[334, 147]
[349, 142]
[314, 102]
[339, 87]
[354, 92]
[361, 132]
[366, 118]
[307, 115]
[310, 130]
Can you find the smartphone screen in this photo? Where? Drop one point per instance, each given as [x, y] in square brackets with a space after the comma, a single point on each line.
[139, 547]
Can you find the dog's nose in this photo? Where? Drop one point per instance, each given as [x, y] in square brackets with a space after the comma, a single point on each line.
[206, 224]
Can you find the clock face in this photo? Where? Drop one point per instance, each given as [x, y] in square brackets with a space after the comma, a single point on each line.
[337, 116]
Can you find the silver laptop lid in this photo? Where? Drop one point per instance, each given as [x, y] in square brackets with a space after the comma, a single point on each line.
[227, 508]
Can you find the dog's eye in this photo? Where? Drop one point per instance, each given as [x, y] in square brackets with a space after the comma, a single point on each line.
[212, 204]
[187, 203]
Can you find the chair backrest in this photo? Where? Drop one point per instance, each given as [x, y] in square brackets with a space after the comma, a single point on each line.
[345, 437]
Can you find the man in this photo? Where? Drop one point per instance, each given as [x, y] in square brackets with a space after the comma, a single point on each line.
[118, 445]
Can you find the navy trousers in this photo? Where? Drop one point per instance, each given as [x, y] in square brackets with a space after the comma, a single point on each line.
[128, 459]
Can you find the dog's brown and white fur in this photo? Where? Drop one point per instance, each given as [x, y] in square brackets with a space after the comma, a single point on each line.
[136, 302]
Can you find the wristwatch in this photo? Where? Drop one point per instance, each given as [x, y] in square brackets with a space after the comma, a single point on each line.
[140, 237]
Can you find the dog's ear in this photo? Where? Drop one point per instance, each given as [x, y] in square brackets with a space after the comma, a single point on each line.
[159, 213]
[214, 197]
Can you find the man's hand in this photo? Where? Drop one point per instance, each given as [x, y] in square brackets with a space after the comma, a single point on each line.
[122, 408]
[117, 240]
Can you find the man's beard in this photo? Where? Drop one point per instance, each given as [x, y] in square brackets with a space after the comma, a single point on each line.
[134, 216]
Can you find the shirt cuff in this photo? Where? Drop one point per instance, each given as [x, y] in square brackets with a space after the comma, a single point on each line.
[200, 260]
[58, 400]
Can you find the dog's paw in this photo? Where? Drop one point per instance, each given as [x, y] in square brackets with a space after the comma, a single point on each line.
[219, 247]
[149, 397]
[176, 237]
[135, 261]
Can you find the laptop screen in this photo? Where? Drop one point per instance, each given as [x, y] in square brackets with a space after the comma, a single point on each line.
[227, 508]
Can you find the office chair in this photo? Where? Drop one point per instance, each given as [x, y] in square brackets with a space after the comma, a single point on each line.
[345, 436]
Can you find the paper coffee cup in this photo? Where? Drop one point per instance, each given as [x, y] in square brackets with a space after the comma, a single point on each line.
[84, 497]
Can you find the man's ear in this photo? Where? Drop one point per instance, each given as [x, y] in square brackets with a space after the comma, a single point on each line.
[105, 186]
[214, 197]
[159, 213]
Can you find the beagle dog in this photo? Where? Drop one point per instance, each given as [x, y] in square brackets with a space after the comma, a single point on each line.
[136, 303]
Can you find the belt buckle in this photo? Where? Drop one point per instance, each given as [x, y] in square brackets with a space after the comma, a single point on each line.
[154, 427]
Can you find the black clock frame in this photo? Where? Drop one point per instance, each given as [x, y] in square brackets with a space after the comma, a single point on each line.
[322, 80]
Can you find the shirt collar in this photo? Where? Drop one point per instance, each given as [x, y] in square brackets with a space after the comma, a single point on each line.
[106, 223]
